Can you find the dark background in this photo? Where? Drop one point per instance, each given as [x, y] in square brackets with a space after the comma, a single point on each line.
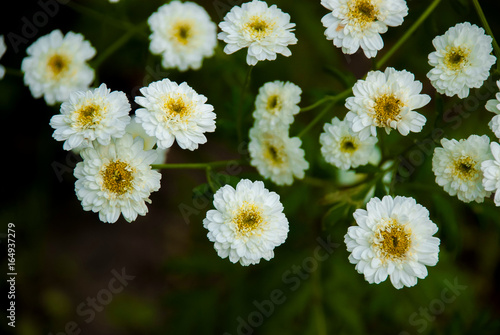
[65, 255]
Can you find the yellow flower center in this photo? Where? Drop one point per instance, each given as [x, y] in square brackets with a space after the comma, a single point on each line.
[456, 58]
[258, 28]
[175, 106]
[465, 168]
[248, 218]
[273, 103]
[348, 145]
[117, 177]
[57, 65]
[88, 116]
[387, 109]
[394, 241]
[274, 154]
[182, 32]
[362, 11]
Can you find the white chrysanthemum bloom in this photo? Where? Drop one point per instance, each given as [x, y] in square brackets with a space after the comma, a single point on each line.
[358, 23]
[277, 156]
[457, 166]
[136, 130]
[265, 31]
[56, 65]
[493, 106]
[116, 178]
[462, 60]
[276, 104]
[343, 148]
[175, 112]
[3, 48]
[247, 224]
[386, 100]
[94, 115]
[183, 33]
[393, 238]
[491, 172]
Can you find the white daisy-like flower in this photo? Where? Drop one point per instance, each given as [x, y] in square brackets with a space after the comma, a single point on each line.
[491, 172]
[457, 167]
[135, 129]
[56, 65]
[175, 112]
[116, 178]
[265, 31]
[276, 104]
[462, 60]
[386, 100]
[247, 223]
[393, 238]
[493, 106]
[343, 148]
[3, 48]
[183, 33]
[277, 156]
[358, 23]
[94, 115]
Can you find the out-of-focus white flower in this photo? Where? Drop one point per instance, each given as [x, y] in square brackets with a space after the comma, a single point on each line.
[491, 172]
[493, 106]
[136, 130]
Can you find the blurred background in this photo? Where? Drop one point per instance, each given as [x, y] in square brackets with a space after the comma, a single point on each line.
[160, 274]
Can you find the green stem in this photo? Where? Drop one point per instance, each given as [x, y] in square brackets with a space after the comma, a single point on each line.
[208, 174]
[318, 312]
[333, 100]
[198, 165]
[239, 117]
[13, 72]
[486, 26]
[407, 34]
[317, 103]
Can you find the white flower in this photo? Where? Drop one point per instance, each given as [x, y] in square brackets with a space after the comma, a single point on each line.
[462, 60]
[359, 23]
[175, 112]
[93, 115]
[276, 104]
[493, 106]
[183, 33]
[387, 100]
[393, 238]
[116, 178]
[3, 48]
[457, 166]
[135, 129]
[491, 172]
[341, 147]
[247, 223]
[277, 156]
[56, 65]
[265, 31]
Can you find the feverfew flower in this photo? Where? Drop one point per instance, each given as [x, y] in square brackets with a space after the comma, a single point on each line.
[491, 172]
[3, 48]
[116, 178]
[135, 129]
[265, 31]
[341, 147]
[277, 156]
[462, 60]
[358, 23]
[175, 112]
[247, 223]
[393, 238]
[183, 33]
[94, 115]
[493, 106]
[276, 104]
[386, 100]
[457, 166]
[56, 65]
